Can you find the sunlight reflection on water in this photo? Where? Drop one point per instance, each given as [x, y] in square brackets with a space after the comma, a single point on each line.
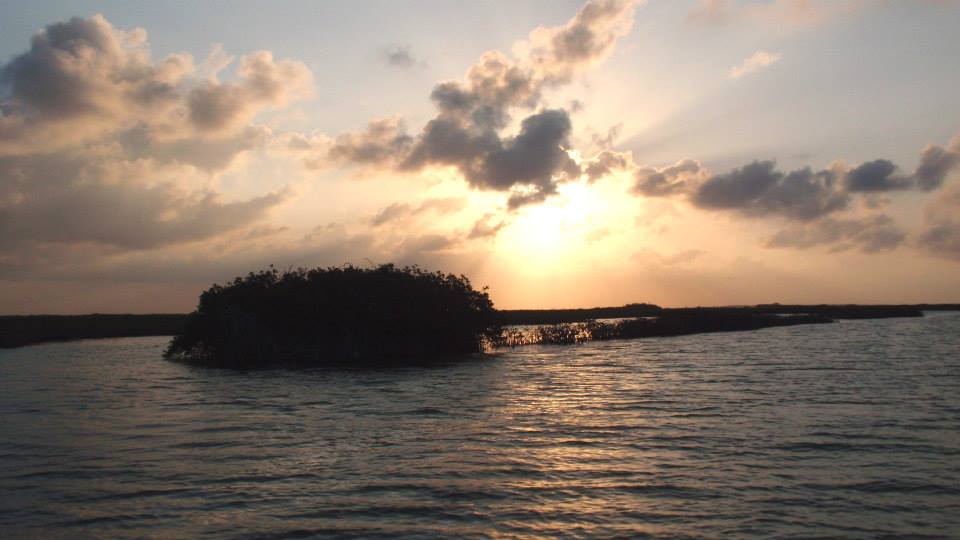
[837, 430]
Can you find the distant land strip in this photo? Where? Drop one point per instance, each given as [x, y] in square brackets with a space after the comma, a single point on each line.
[20, 330]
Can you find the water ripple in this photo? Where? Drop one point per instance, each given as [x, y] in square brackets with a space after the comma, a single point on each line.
[845, 430]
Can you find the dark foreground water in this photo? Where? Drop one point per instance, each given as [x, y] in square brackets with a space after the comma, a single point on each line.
[847, 430]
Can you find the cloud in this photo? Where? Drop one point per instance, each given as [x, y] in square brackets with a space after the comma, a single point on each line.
[811, 198]
[936, 163]
[535, 157]
[83, 79]
[400, 211]
[876, 176]
[211, 153]
[607, 162]
[382, 142]
[942, 240]
[468, 131]
[528, 196]
[666, 181]
[236, 253]
[80, 78]
[390, 213]
[555, 54]
[399, 56]
[941, 233]
[758, 189]
[262, 83]
[61, 198]
[869, 235]
[817, 202]
[756, 62]
[103, 150]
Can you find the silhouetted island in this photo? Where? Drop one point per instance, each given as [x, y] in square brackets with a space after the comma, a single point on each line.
[392, 314]
[336, 315]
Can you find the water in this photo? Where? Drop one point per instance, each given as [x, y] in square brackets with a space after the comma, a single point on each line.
[847, 430]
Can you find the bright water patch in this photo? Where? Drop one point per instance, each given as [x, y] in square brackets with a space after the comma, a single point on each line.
[845, 430]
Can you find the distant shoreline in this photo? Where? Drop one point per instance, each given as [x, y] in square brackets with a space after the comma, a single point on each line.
[22, 330]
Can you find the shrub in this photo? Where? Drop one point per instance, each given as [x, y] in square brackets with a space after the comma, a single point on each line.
[336, 315]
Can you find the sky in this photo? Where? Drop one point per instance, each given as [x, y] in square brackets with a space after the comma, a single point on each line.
[562, 153]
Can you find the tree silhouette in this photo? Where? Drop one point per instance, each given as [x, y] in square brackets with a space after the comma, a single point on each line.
[336, 315]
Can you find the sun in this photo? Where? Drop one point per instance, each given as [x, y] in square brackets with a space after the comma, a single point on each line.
[551, 232]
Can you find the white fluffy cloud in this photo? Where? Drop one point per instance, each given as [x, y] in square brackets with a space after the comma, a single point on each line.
[102, 146]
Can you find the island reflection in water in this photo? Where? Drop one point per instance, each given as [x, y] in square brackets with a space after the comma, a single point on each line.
[827, 430]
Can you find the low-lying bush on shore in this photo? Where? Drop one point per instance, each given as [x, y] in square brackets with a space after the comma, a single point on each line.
[676, 323]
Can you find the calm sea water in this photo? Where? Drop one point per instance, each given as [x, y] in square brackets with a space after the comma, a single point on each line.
[847, 430]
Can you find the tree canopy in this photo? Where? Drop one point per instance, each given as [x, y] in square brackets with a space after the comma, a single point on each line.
[336, 315]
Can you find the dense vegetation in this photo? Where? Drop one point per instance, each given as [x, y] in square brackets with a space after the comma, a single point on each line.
[338, 315]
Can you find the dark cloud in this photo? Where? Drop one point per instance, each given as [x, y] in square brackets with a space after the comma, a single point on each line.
[526, 197]
[534, 157]
[738, 188]
[382, 142]
[85, 67]
[941, 233]
[936, 162]
[813, 198]
[875, 176]
[870, 235]
[399, 56]
[666, 181]
[605, 163]
[467, 131]
[758, 189]
[942, 240]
